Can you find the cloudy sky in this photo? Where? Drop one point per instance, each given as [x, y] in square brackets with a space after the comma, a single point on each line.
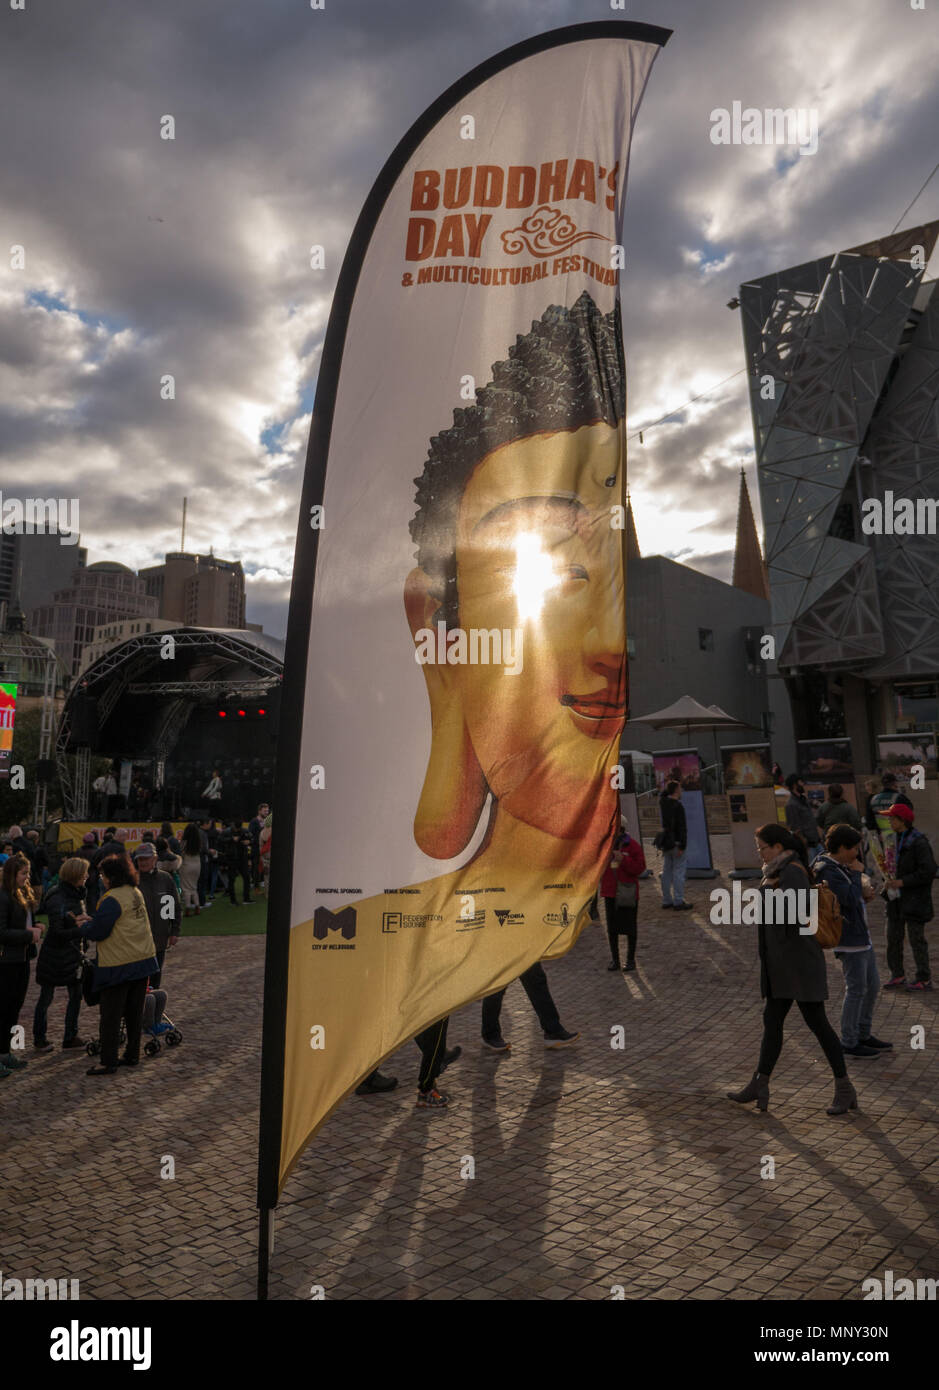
[146, 257]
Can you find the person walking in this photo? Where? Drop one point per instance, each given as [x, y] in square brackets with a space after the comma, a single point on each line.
[87, 851]
[619, 889]
[534, 982]
[164, 911]
[889, 795]
[265, 840]
[39, 872]
[435, 1058]
[836, 811]
[169, 862]
[60, 956]
[909, 900]
[840, 867]
[800, 818]
[126, 960]
[113, 843]
[208, 857]
[166, 831]
[673, 842]
[792, 969]
[19, 939]
[255, 826]
[191, 869]
[375, 1083]
[236, 850]
[22, 846]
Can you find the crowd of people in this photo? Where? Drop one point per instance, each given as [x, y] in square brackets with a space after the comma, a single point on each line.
[133, 908]
[839, 848]
[833, 847]
[130, 907]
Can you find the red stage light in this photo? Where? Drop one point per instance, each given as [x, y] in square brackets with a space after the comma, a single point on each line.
[222, 714]
[262, 711]
[241, 714]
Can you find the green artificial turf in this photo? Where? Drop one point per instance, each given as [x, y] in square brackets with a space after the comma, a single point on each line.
[221, 919]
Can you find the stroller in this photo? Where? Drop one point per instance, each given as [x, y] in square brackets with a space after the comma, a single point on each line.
[155, 1022]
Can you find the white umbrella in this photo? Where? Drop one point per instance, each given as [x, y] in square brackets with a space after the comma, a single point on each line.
[686, 713]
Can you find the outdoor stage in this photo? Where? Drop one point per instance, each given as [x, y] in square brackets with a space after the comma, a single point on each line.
[178, 704]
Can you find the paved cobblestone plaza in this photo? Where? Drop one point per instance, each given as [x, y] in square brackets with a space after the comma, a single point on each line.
[595, 1167]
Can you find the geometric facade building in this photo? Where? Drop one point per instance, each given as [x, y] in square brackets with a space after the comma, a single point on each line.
[843, 362]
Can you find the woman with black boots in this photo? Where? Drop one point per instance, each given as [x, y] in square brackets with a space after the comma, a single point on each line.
[60, 957]
[620, 891]
[19, 938]
[792, 968]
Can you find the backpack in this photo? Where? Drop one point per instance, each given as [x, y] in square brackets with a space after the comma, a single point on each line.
[829, 916]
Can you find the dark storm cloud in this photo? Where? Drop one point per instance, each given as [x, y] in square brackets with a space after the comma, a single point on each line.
[191, 257]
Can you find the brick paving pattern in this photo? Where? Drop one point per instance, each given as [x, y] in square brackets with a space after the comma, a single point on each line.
[594, 1166]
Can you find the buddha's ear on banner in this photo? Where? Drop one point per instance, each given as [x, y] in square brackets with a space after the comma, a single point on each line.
[454, 791]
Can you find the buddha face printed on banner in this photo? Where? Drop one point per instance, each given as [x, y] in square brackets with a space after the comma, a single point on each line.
[518, 559]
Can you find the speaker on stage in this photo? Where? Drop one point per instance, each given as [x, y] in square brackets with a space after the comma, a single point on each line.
[84, 720]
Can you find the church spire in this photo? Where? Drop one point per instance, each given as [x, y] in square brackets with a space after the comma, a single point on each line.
[632, 540]
[749, 567]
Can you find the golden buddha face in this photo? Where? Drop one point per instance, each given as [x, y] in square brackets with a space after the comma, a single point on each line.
[537, 555]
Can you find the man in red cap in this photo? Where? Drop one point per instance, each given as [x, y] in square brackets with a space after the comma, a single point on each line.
[911, 902]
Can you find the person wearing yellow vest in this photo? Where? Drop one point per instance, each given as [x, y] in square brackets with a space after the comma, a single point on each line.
[126, 959]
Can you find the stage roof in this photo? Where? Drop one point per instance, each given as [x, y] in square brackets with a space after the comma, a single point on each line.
[145, 689]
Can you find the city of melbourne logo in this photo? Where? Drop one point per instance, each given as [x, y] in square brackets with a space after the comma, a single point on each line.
[326, 921]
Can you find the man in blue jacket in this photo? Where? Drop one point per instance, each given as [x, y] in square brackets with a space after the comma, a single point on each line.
[839, 866]
[909, 900]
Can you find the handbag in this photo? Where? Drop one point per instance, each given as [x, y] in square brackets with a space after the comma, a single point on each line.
[91, 996]
[664, 841]
[627, 895]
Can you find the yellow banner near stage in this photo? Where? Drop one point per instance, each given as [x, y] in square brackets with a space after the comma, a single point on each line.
[72, 832]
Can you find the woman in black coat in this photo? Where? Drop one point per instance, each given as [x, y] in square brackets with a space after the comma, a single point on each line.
[60, 958]
[19, 937]
[792, 969]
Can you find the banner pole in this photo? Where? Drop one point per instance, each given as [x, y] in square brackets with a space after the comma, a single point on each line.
[291, 773]
[265, 1246]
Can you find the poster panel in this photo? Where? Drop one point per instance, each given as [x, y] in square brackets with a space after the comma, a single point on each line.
[825, 760]
[683, 765]
[901, 753]
[747, 765]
